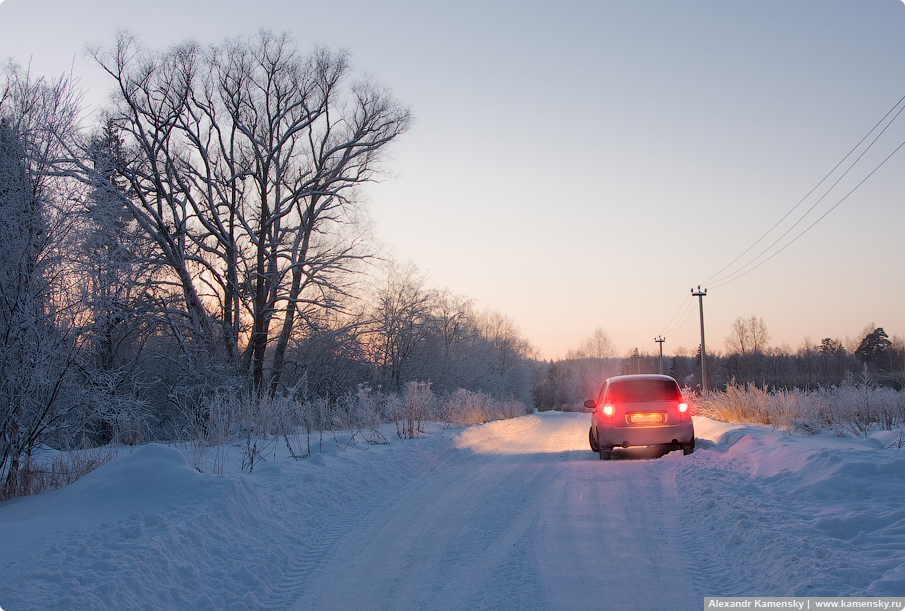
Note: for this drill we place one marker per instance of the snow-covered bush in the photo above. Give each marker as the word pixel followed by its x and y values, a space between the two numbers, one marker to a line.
pixel 859 408
pixel 412 409
pixel 750 403
pixel 464 408
pixel 370 411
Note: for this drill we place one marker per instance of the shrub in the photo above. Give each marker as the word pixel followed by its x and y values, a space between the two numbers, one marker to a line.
pixel 412 409
pixel 464 408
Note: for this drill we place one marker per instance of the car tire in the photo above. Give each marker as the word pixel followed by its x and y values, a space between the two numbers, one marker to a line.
pixel 688 448
pixel 592 441
pixel 605 454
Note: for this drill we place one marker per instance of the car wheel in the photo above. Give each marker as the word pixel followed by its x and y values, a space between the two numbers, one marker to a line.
pixel 688 448
pixel 605 454
pixel 591 439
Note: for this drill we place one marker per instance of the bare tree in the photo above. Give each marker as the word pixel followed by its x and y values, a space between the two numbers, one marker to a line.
pixel 242 164
pixel 39 314
pixel 593 363
pixel 739 341
pixel 760 336
pixel 597 346
pixel 747 343
pixel 748 336
pixel 155 189
pixel 399 323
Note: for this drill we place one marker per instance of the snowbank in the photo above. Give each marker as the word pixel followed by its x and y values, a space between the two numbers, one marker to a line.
pixel 148 531
pixel 788 515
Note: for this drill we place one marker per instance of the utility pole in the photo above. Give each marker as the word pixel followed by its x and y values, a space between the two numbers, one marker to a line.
pixel 660 341
pixel 700 295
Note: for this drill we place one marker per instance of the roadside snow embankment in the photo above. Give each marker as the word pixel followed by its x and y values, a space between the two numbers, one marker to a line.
pixel 148 531
pixel 795 515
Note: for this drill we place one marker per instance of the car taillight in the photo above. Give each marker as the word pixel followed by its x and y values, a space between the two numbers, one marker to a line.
pixel 608 410
pixel 683 407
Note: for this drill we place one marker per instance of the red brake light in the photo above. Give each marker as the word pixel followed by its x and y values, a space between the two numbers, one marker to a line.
pixel 608 410
pixel 683 407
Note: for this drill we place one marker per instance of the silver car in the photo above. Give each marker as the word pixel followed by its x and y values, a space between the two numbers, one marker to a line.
pixel 640 410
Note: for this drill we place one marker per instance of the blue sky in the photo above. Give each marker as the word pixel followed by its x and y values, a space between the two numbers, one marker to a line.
pixel 584 164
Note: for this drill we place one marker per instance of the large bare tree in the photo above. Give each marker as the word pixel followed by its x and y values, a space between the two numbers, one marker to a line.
pixel 242 163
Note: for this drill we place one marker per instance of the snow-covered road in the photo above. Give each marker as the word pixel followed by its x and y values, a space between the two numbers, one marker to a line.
pixel 515 514
pixel 522 516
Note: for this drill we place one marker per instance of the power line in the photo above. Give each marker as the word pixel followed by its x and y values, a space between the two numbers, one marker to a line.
pixel 686 311
pixel 736 274
pixel 687 308
pixel 815 222
pixel 668 330
pixel 680 313
pixel 691 311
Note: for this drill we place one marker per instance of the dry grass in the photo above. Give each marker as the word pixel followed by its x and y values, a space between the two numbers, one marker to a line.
pixel 464 408
pixel 38 475
pixel 848 409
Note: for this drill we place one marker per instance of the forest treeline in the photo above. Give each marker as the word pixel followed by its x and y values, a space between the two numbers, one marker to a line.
pixel 871 359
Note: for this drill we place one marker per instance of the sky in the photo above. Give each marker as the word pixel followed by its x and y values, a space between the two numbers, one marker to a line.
pixel 585 164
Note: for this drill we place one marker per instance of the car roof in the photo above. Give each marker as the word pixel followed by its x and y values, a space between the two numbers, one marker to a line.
pixel 642 376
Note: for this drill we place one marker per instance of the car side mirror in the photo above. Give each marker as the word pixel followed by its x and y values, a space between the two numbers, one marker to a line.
pixel 590 405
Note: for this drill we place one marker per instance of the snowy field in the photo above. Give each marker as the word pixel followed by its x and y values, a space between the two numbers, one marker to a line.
pixel 514 514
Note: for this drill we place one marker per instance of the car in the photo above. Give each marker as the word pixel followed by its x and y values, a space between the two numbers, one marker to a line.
pixel 640 410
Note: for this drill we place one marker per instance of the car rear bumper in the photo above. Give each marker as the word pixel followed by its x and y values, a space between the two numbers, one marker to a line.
pixel 681 433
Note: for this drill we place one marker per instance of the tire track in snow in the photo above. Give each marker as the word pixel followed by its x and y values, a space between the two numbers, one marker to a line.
pixel 522 516
pixel 622 525
pixel 703 480
pixel 427 549
pixel 371 484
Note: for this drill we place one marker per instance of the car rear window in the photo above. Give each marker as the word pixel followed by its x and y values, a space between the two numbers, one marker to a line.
pixel 638 391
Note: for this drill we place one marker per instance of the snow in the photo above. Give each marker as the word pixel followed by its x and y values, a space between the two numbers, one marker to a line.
pixel 513 514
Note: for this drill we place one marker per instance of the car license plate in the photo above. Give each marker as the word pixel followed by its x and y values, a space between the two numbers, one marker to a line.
pixel 645 418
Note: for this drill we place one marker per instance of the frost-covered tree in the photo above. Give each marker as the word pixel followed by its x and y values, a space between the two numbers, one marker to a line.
pixel 597 346
pixel 414 333
pixel 113 261
pixel 594 361
pixel 397 323
pixel 509 355
pixel 39 309
pixel 242 164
